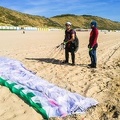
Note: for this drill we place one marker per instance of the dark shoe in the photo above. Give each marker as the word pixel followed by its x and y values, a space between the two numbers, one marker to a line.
pixel 65 61
pixel 73 64
pixel 93 66
pixel 89 65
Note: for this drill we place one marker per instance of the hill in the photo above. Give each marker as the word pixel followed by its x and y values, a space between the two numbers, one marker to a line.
pixel 83 21
pixel 15 18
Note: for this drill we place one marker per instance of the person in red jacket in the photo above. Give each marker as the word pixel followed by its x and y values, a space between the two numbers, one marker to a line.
pixel 93 44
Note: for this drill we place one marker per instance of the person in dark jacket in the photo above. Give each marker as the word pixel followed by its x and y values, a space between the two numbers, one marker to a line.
pixel 69 42
pixel 93 44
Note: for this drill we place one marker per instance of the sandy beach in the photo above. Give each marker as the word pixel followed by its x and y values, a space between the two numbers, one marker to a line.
pixel 37 51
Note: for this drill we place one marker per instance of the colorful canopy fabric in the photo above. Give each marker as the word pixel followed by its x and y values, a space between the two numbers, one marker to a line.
pixel 46 98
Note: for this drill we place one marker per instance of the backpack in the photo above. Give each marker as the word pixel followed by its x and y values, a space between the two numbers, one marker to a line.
pixel 76 43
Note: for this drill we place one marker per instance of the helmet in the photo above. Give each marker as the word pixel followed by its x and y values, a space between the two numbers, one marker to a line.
pixel 68 23
pixel 94 23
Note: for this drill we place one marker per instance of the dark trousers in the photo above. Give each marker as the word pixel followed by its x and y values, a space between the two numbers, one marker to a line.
pixel 93 57
pixel 72 55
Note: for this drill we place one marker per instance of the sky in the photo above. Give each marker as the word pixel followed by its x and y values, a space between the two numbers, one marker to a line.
pixel 109 9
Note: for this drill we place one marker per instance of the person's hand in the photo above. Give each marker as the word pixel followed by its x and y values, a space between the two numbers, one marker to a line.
pixel 69 41
pixel 90 49
pixel 88 46
pixel 64 43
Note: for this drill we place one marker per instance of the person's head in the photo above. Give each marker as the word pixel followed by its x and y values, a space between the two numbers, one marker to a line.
pixel 93 24
pixel 68 25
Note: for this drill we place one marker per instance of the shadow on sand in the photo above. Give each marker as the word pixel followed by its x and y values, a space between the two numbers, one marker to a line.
pixel 54 61
pixel 47 60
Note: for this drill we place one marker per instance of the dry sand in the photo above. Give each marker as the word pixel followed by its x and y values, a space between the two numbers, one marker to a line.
pixel 36 50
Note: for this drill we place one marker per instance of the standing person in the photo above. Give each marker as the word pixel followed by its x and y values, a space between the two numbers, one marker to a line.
pixel 93 44
pixel 69 42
